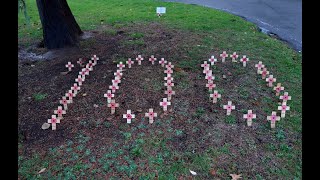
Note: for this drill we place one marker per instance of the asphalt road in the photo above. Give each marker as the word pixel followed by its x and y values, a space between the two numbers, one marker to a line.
pixel 280 17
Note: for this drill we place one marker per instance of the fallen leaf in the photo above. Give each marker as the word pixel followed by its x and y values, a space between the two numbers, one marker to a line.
pixel 147 79
pixel 64 73
pixel 45 126
pixel 84 94
pixel 192 172
pixel 235 176
pixel 32 65
pixel 109 118
pixel 178 69
pixel 42 170
pixel 224 76
pixel 213 172
pixel 139 110
pixel 95 106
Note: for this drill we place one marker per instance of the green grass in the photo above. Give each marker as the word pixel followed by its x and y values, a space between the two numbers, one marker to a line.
pixel 39 96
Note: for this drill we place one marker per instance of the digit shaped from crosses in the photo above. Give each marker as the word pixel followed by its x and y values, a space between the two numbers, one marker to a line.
pixel 129 62
pixel 139 59
pixel 53 121
pixel 249 116
pixel 273 118
pixel 234 57
pixel 283 108
pixel 215 95
pixel 212 60
pixel 271 80
pixel 223 56
pixel 69 66
pixel 229 107
pixel 152 59
pixel 151 115
pixel 128 116
pixel 285 97
pixel 244 60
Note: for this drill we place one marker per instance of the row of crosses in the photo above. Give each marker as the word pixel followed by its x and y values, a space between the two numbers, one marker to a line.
pixel 110 95
pixel 70 94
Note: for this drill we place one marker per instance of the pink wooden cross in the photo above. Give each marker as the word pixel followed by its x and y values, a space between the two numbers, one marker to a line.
pixel 83 72
pixel 168 78
pixel 129 116
pixel 69 66
pixel 207 72
pixel 249 117
pixel 118 74
pixel 273 118
pixel 210 85
pixel 212 60
pixel 169 84
pixel 114 87
pixel 53 121
pixel 244 60
pixel 80 79
pixel 234 56
pixel 205 65
pixel 95 59
pixel 116 80
pixel 209 77
pixel 121 66
pixel 113 106
pixel 162 62
pixel 285 97
pixel 229 107
pixel 80 61
pixel 278 89
pixel 270 80
pixel 283 108
pixel 129 62
pixel 88 67
pixel 168 71
pixel 109 96
pixel 70 95
pixel 152 59
pixel 223 56
pixel 165 104
pixel 259 66
pixel 65 102
pixel 151 115
pixel 59 112
pixel 215 96
pixel 90 64
pixel 169 92
pixel 75 88
pixel 169 65
pixel 139 59
pixel 264 73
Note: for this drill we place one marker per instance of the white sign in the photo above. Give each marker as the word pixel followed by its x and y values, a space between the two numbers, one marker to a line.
pixel 161 10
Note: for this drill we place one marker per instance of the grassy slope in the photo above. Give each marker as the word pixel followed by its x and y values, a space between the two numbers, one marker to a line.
pixel 224 31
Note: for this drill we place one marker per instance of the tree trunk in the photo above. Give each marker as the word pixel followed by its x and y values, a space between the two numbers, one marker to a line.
pixel 60 29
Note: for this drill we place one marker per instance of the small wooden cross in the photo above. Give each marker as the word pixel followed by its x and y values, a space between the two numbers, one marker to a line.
pixel 95 59
pixel 212 60
pixel 273 118
pixel 116 80
pixel 59 112
pixel 151 115
pixel 234 57
pixel 285 97
pixel 80 62
pixel 209 77
pixel 83 72
pixel 223 56
pixel 129 62
pixel 113 106
pixel 75 88
pixel 162 62
pixel 207 72
pixel 139 59
pixel 109 96
pixel 90 64
pixel 80 79
pixel 53 121
pixel 249 116
pixel 165 104
pixel 168 71
pixel 118 74
pixel 210 85
pixel 129 116
pixel 169 84
pixel 70 95
pixel 271 80
pixel 259 66
pixel 88 67
pixel 264 73
pixel 169 92
pixel 205 65
pixel 169 65
pixel 215 96
pixel 168 78
pixel 69 66
pixel 152 59
pixel 278 89
pixel 229 107
pixel 121 66
pixel 283 108
pixel 65 102
pixel 114 87
pixel 244 60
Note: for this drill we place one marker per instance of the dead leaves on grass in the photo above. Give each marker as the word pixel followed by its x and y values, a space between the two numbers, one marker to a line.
pixel 235 176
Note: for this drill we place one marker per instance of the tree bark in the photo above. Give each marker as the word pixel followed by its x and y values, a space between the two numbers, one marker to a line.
pixel 60 28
